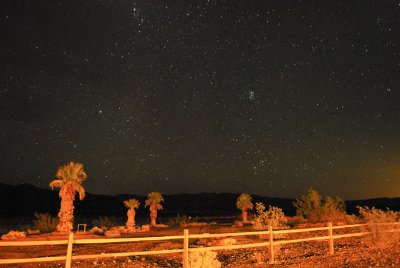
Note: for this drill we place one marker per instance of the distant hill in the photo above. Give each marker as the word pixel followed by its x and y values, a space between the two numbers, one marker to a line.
pixel 380 203
pixel 26 199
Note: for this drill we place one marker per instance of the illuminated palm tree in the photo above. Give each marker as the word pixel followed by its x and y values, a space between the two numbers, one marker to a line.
pixel 244 203
pixel 131 205
pixel 153 202
pixel 69 178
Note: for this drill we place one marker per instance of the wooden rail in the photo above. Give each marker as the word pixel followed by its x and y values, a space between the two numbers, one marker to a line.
pixel 270 243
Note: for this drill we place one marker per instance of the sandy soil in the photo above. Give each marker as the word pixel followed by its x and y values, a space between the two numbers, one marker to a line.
pixel 349 252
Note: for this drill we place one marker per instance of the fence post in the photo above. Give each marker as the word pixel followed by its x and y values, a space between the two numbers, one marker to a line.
pixel 330 233
pixel 69 250
pixel 271 245
pixel 185 248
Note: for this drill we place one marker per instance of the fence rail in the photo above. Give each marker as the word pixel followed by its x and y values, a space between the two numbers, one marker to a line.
pixel 270 243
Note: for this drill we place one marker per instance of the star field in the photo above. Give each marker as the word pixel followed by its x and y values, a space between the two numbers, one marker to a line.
pixel 265 97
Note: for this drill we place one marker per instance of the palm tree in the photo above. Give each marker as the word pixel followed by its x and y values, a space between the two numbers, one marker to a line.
pixel 244 203
pixel 69 178
pixel 153 202
pixel 131 205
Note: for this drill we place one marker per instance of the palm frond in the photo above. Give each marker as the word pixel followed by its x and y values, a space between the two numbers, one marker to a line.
pixel 154 198
pixel 81 190
pixel 244 202
pixel 132 203
pixel 56 183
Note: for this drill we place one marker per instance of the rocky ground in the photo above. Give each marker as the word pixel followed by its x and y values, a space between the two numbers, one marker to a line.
pixel 349 252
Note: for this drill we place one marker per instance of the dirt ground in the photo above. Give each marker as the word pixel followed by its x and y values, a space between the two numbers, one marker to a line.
pixel 349 252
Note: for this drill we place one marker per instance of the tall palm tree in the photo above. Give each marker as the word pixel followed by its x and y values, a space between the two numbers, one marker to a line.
pixel 244 203
pixel 153 202
pixel 131 205
pixel 69 178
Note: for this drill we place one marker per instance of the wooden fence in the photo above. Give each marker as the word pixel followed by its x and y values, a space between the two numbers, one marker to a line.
pixel 69 257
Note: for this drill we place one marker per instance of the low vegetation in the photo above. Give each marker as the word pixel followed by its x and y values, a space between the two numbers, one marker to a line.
pixel 274 217
pixel 13 235
pixel 204 259
pixel 179 220
pixel 381 224
pixel 315 208
pixel 310 208
pixel 104 222
pixel 45 223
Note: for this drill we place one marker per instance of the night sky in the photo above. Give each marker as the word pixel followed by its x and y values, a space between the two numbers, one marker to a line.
pixel 265 97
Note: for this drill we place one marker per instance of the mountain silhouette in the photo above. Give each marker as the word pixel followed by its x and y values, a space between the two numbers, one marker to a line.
pixel 26 199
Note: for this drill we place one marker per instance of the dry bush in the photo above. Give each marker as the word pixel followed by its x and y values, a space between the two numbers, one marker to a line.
pixel 113 232
pixel 274 217
pixel 96 230
pixel 295 221
pixel 204 259
pixel 45 223
pixel 145 228
pixel 32 232
pixel 123 229
pixel 178 220
pixel 104 222
pixel 382 226
pixel 316 209
pixel 12 235
pixel 349 219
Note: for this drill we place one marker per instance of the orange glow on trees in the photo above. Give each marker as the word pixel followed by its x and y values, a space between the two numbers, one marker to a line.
pixel 316 209
pixel 69 178
pixel 153 202
pixel 131 205
pixel 244 203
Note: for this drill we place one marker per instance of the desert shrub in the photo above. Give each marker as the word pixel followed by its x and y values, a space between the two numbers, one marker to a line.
pixel 12 235
pixel 380 225
pixel 204 259
pixel 104 222
pixel 113 232
pixel 316 209
pixel 351 219
pixel 295 220
pixel 32 232
pixel 96 230
pixel 145 228
pixel 373 215
pixel 274 217
pixel 178 220
pixel 45 223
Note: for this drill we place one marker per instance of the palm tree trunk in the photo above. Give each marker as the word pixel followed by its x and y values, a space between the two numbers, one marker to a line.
pixel 153 216
pixel 66 214
pixel 131 218
pixel 244 215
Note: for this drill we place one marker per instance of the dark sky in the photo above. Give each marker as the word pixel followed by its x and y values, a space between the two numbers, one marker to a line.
pixel 265 97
